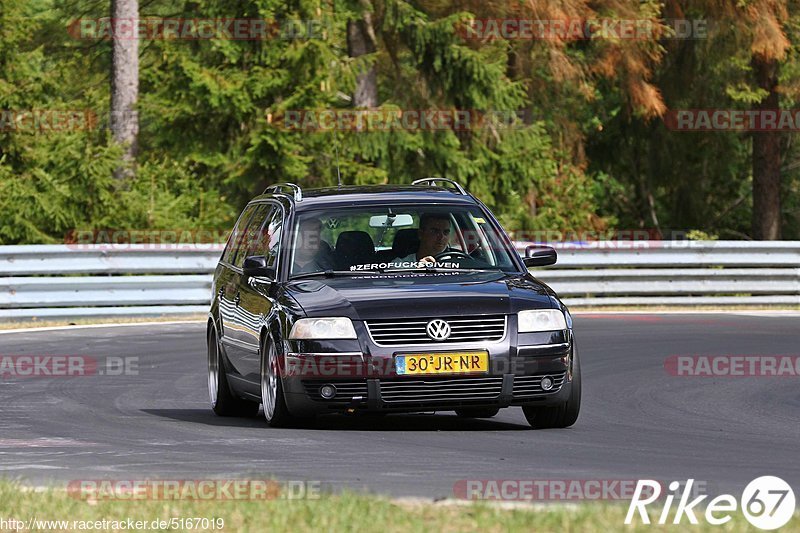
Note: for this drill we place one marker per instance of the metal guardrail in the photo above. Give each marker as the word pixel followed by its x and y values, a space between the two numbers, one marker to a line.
pixel 64 281
pixel 73 281
pixel 675 273
pixel 60 259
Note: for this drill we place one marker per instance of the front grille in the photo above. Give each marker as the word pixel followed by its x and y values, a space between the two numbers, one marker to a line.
pixel 440 390
pixel 531 386
pixel 404 332
pixel 345 390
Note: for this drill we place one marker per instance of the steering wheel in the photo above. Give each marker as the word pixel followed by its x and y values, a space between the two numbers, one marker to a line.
pixel 452 254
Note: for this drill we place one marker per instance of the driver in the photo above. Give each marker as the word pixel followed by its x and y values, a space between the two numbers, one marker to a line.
pixel 434 236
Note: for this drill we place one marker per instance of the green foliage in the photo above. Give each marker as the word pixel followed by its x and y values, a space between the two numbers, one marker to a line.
pixel 578 155
pixel 55 184
pixel 746 94
pixel 697 180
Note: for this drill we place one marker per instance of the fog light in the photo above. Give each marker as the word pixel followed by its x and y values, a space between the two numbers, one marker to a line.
pixel 327 391
pixel 547 383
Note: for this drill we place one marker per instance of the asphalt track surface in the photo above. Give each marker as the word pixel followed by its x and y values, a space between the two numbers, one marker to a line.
pixel 637 420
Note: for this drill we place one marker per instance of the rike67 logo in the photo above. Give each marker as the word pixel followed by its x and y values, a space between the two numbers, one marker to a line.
pixel 767 502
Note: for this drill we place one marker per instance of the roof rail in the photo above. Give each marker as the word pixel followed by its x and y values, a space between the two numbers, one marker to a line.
pixel 432 182
pixel 297 192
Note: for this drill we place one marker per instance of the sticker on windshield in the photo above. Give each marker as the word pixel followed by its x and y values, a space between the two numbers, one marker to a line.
pixel 396 275
pixel 404 264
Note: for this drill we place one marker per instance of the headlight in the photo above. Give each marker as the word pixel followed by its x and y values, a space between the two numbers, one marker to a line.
pixel 541 320
pixel 323 328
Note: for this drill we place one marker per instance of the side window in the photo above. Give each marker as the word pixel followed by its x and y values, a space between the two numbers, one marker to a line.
pixel 235 239
pixel 267 237
pixel 274 230
pixel 251 236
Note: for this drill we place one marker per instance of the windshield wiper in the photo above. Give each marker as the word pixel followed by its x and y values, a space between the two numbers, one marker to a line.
pixel 334 273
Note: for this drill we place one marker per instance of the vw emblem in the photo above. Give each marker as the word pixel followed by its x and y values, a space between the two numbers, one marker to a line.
pixel 438 330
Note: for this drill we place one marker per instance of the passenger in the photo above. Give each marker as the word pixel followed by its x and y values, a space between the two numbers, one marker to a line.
pixel 312 253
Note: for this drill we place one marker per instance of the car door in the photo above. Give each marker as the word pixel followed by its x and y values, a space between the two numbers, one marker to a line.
pixel 237 341
pixel 257 301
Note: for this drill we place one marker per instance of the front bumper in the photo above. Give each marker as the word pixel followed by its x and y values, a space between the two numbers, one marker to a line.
pixel 363 373
pixel 367 382
pixel 429 394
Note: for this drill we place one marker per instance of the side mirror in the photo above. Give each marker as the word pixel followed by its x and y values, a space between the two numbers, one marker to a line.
pixel 256 266
pixel 537 256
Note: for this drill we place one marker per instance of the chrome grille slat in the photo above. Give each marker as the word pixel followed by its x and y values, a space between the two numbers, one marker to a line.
pixel 450 382
pixel 430 397
pixel 529 386
pixel 475 336
pixel 424 390
pixel 394 322
pixel 344 390
pixel 453 326
pixel 497 324
pixel 466 338
pixel 473 326
pixel 537 386
pixel 395 332
pixel 538 381
pixel 457 389
pixel 465 388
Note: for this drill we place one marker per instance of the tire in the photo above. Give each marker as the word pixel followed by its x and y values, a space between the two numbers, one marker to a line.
pixel 223 401
pixel 276 412
pixel 477 412
pixel 563 415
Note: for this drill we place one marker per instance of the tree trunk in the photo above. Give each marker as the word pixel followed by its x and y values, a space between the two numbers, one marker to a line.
pixel 767 158
pixel 124 120
pixel 361 41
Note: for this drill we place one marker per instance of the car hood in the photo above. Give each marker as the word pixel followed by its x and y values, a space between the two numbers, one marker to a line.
pixel 373 296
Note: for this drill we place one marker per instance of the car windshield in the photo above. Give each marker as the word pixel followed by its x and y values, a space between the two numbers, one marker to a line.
pixel 397 238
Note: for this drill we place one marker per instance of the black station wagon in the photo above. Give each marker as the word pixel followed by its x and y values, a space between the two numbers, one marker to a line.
pixel 385 299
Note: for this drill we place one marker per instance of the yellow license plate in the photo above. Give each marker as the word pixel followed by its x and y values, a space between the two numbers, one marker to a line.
pixel 442 363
